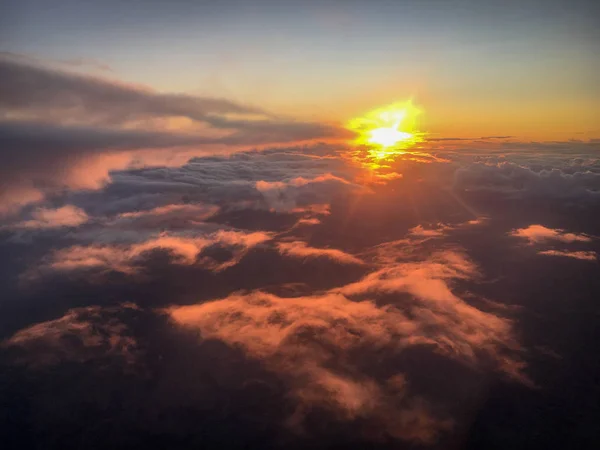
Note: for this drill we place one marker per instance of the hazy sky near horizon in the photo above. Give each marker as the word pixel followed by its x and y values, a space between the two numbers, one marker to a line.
pixel 528 69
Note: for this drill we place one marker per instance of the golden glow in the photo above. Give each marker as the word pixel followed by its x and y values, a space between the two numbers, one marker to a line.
pixel 387 131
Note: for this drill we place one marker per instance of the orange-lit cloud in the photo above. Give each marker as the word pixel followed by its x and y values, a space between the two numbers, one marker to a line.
pixel 586 256
pixel 173 216
pixel 303 340
pixel 65 216
pixel 125 257
pixel 308 221
pixel 81 335
pixel 299 249
pixel 536 234
pixel 317 343
pixel 63 130
pixel 420 231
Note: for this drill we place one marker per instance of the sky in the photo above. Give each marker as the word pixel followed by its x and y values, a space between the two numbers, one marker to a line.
pixel 287 225
pixel 527 69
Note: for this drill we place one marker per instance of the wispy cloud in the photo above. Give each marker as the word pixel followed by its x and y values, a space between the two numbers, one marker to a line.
pixel 536 234
pixel 299 249
pixel 586 256
pixel 318 343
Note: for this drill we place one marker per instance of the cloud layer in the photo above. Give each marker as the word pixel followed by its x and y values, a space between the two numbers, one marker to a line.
pixel 55 124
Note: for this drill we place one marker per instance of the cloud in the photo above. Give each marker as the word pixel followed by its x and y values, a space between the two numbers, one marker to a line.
pixel 81 335
pixel 536 234
pixel 300 181
pixel 586 256
pixel 240 238
pixel 39 158
pixel 420 231
pixel 129 258
pixel 172 216
pixel 43 218
pixel 287 195
pixel 54 125
pixel 38 61
pixel 321 344
pixel 33 89
pixel 516 179
pixel 123 258
pixel 299 249
pixel 429 282
pixel 303 339
pixel 308 221
pixel 36 93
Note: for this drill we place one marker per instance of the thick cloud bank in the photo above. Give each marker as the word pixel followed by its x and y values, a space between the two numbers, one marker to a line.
pixel 157 296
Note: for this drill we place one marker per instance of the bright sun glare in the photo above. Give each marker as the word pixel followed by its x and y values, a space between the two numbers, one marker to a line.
pixel 388 130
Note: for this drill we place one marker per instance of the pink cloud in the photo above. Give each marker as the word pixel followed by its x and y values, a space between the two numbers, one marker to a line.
pixel 433 303
pixel 420 231
pixel 166 217
pixel 65 216
pixel 317 209
pixel 125 258
pixel 302 340
pixel 538 233
pixel 301 181
pixel 587 256
pixel 13 198
pixel 241 238
pixel 314 342
pixel 199 212
pixel 299 249
pixel 308 221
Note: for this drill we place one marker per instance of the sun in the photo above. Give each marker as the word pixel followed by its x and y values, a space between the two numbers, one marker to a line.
pixel 387 130
pixel 387 137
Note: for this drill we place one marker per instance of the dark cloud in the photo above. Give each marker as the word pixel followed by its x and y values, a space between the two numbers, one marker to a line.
pixel 287 180
pixel 39 93
pixel 318 351
pixel 34 89
pixel 54 123
pixel 512 178
pixel 39 157
pixel 71 62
